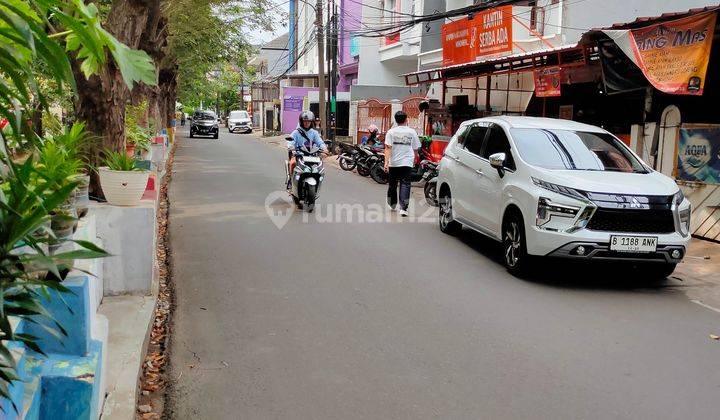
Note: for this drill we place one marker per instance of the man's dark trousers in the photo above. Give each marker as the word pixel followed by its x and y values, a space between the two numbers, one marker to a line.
pixel 401 175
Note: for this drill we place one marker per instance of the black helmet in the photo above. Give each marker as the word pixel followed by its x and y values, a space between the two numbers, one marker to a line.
pixel 306 116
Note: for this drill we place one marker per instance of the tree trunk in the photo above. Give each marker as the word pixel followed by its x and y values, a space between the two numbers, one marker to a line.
pixel 102 98
pixel 168 94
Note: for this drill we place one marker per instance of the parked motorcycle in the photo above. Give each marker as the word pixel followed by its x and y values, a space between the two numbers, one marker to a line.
pixel 307 176
pixel 377 172
pixel 348 156
pixel 418 173
pixel 367 158
pixel 430 176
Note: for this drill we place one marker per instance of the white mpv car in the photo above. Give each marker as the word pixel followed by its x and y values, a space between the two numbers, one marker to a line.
pixel 558 188
pixel 239 120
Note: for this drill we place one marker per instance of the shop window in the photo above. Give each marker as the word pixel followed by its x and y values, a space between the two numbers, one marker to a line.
pixel 474 139
pixel 498 142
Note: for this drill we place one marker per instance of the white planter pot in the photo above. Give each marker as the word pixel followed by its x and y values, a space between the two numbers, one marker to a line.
pixel 123 188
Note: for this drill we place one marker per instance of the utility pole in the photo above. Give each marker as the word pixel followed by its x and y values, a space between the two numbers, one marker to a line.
pixel 321 65
pixel 242 91
pixel 332 120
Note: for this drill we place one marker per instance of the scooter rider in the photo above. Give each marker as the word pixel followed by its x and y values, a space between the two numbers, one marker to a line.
pixel 304 135
pixel 373 140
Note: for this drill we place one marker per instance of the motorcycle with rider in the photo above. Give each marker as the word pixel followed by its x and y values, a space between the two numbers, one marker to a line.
pixel 304 168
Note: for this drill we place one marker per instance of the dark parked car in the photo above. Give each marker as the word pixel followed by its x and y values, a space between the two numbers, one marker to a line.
pixel 204 123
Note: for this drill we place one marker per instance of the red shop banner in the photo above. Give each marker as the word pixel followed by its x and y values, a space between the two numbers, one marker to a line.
pixel 456 43
pixel 547 81
pixel 488 33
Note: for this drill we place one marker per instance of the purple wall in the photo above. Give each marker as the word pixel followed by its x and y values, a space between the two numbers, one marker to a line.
pixel 291 96
pixel 350 17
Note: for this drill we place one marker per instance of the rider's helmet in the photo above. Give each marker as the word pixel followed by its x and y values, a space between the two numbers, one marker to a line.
pixel 372 128
pixel 306 116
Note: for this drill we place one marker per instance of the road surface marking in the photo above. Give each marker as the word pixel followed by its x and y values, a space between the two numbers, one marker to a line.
pixel 705 305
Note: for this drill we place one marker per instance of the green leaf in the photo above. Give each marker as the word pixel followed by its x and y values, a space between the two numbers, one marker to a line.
pixel 135 65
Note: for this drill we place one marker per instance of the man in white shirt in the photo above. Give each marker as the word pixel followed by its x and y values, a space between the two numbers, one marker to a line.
pixel 401 145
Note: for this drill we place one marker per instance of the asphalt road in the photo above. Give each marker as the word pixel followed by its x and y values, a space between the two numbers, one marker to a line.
pixel 391 319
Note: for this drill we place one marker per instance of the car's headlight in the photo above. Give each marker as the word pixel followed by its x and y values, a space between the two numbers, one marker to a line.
pixel 546 209
pixel 563 216
pixel 570 192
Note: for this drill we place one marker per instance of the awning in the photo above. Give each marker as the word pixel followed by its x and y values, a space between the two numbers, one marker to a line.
pixel 566 56
pixel 650 20
pixel 662 47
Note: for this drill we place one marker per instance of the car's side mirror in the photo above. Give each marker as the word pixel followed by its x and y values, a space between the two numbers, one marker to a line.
pixel 497 161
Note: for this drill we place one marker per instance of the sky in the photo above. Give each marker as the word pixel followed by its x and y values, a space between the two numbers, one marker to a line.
pixel 265 36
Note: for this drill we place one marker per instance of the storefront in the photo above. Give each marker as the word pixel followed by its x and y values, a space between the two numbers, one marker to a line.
pixel 672 62
pixel 654 83
pixel 506 86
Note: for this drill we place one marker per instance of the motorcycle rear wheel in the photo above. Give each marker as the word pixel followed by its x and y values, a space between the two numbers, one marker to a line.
pixel 363 170
pixel 430 190
pixel 346 162
pixel 378 174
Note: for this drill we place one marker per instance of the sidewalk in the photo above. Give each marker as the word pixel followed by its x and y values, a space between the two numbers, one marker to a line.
pixel 700 273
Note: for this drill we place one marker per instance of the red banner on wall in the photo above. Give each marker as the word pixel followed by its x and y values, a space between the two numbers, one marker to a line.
pixel 456 43
pixel 547 82
pixel 493 31
pixel 488 33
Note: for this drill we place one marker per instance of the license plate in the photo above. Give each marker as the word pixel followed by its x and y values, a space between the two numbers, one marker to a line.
pixel 633 243
pixel 311 159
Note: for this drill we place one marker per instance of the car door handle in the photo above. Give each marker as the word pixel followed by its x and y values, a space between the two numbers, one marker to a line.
pixel 479 172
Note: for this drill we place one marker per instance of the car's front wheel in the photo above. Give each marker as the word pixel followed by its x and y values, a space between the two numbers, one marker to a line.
pixel 445 215
pixel 515 254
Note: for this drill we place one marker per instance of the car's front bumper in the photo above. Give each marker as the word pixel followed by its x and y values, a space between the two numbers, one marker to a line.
pixel 597 245
pixel 240 126
pixel 204 130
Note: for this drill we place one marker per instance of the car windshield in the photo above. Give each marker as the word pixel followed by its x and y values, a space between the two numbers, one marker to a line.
pixel 236 115
pixel 574 150
pixel 204 116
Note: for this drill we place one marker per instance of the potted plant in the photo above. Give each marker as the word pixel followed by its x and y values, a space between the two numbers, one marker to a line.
pixel 139 140
pixel 82 194
pixel 57 168
pixel 72 146
pixel 121 181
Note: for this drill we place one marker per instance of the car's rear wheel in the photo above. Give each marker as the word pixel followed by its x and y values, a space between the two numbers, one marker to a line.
pixel 446 220
pixel 515 254
pixel 192 134
pixel 216 136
